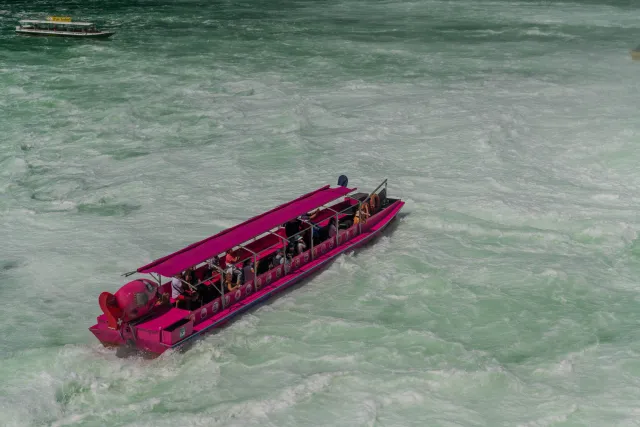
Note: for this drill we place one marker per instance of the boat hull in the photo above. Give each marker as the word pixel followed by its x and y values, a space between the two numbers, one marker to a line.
pixel 100 35
pixel 154 346
pixel 635 54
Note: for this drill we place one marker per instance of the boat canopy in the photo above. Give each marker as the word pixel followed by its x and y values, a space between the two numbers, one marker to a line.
pixel 203 250
pixel 60 23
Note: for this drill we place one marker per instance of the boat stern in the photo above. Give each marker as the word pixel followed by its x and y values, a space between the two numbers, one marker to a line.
pixel 107 336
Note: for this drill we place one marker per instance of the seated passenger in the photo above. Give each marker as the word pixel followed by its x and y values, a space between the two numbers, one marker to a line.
pixel 287 261
pixel 279 258
pixel 213 262
pixel 231 258
pixel 361 215
pixel 190 277
pixel 181 293
pixel 210 268
pixel 333 229
pixel 230 284
pixel 291 250
pixel 230 273
pixel 176 286
pixel 316 234
pixel 163 299
pixel 300 245
pixel 247 271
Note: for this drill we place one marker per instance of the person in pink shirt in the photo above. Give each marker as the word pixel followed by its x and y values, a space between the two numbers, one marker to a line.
pixel 231 258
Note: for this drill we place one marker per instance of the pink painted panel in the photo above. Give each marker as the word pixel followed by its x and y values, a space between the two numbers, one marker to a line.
pixel 170 317
pixel 248 288
pixel 148 335
pixel 278 272
pixel 352 231
pixel 177 331
pixel 306 256
pixel 297 262
pixel 232 297
pixel 373 220
pixel 331 243
pixel 260 281
pixel 206 311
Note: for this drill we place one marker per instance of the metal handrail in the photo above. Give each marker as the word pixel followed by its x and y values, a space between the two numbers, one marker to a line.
pixel 374 191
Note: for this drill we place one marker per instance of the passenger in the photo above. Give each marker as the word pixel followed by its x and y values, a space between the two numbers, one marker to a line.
pixel 279 258
pixel 247 271
pixel 213 262
pixel 181 293
pixel 211 267
pixel 190 277
pixel 233 272
pixel 300 245
pixel 315 234
pixel 290 251
pixel 231 258
pixel 176 286
pixel 163 299
pixel 333 229
pixel 231 285
pixel 287 262
pixel 356 218
pixel 361 215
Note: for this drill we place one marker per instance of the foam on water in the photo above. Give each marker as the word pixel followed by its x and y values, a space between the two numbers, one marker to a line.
pixel 506 294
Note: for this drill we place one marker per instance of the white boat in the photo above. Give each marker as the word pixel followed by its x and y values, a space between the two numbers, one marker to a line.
pixel 61 26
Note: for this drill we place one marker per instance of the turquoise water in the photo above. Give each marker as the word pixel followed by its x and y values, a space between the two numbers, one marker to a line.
pixel 507 295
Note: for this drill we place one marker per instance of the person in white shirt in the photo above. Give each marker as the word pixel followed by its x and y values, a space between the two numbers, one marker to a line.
pixel 300 245
pixel 176 287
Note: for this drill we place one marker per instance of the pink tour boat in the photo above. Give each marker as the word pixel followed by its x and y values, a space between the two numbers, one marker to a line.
pixel 213 280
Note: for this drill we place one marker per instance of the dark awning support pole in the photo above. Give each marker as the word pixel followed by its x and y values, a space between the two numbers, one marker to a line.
pixel 311 227
pixel 221 288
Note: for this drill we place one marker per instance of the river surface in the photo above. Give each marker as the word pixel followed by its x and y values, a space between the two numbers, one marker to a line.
pixel 507 294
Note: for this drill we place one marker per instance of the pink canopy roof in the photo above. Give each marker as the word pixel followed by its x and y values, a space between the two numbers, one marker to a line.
pixel 231 237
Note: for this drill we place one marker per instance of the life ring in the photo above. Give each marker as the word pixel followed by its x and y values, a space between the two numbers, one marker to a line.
pixel 374 203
